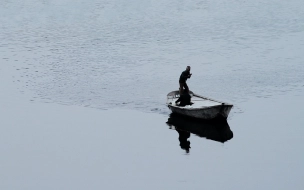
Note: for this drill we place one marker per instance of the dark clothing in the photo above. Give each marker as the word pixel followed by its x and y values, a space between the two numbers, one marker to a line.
pixel 184 76
pixel 183 85
pixel 184 99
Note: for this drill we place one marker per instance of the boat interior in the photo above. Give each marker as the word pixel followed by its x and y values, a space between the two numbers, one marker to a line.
pixel 198 102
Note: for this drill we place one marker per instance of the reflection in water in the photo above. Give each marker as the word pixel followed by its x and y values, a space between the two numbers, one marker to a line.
pixel 183 139
pixel 217 130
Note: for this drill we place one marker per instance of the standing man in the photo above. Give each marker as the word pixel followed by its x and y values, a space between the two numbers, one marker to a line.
pixel 183 78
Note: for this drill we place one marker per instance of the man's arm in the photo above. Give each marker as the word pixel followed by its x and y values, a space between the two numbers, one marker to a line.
pixel 186 75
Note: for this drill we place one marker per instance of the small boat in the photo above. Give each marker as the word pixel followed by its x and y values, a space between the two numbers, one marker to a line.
pixel 202 107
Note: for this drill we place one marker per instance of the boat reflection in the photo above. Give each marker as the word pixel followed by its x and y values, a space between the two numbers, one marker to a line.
pixel 217 130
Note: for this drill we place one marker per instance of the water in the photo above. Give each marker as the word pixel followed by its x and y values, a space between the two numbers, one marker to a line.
pixel 96 56
pixel 46 146
pixel 106 54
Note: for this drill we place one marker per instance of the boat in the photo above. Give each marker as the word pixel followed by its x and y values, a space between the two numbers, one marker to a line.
pixel 202 107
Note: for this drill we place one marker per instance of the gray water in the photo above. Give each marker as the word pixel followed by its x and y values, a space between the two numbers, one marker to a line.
pixel 111 64
pixel 129 54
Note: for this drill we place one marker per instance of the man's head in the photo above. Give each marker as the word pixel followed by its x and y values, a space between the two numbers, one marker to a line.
pixel 188 68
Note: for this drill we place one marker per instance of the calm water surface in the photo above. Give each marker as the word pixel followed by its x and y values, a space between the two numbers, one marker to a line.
pixel 82 148
pixel 128 55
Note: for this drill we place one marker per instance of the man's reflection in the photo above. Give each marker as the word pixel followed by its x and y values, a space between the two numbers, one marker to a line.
pixel 183 140
pixel 217 130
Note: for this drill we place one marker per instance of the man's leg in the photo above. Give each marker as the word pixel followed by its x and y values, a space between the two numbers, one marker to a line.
pixel 186 87
pixel 181 86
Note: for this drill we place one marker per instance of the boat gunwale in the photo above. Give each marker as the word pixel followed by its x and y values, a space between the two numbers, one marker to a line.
pixel 202 108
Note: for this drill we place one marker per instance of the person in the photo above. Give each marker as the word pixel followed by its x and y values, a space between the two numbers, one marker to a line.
pixel 183 78
pixel 184 99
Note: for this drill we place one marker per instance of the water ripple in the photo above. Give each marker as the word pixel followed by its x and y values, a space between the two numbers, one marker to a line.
pixel 106 54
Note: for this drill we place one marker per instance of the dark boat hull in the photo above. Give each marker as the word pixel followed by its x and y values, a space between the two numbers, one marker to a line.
pixel 203 113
